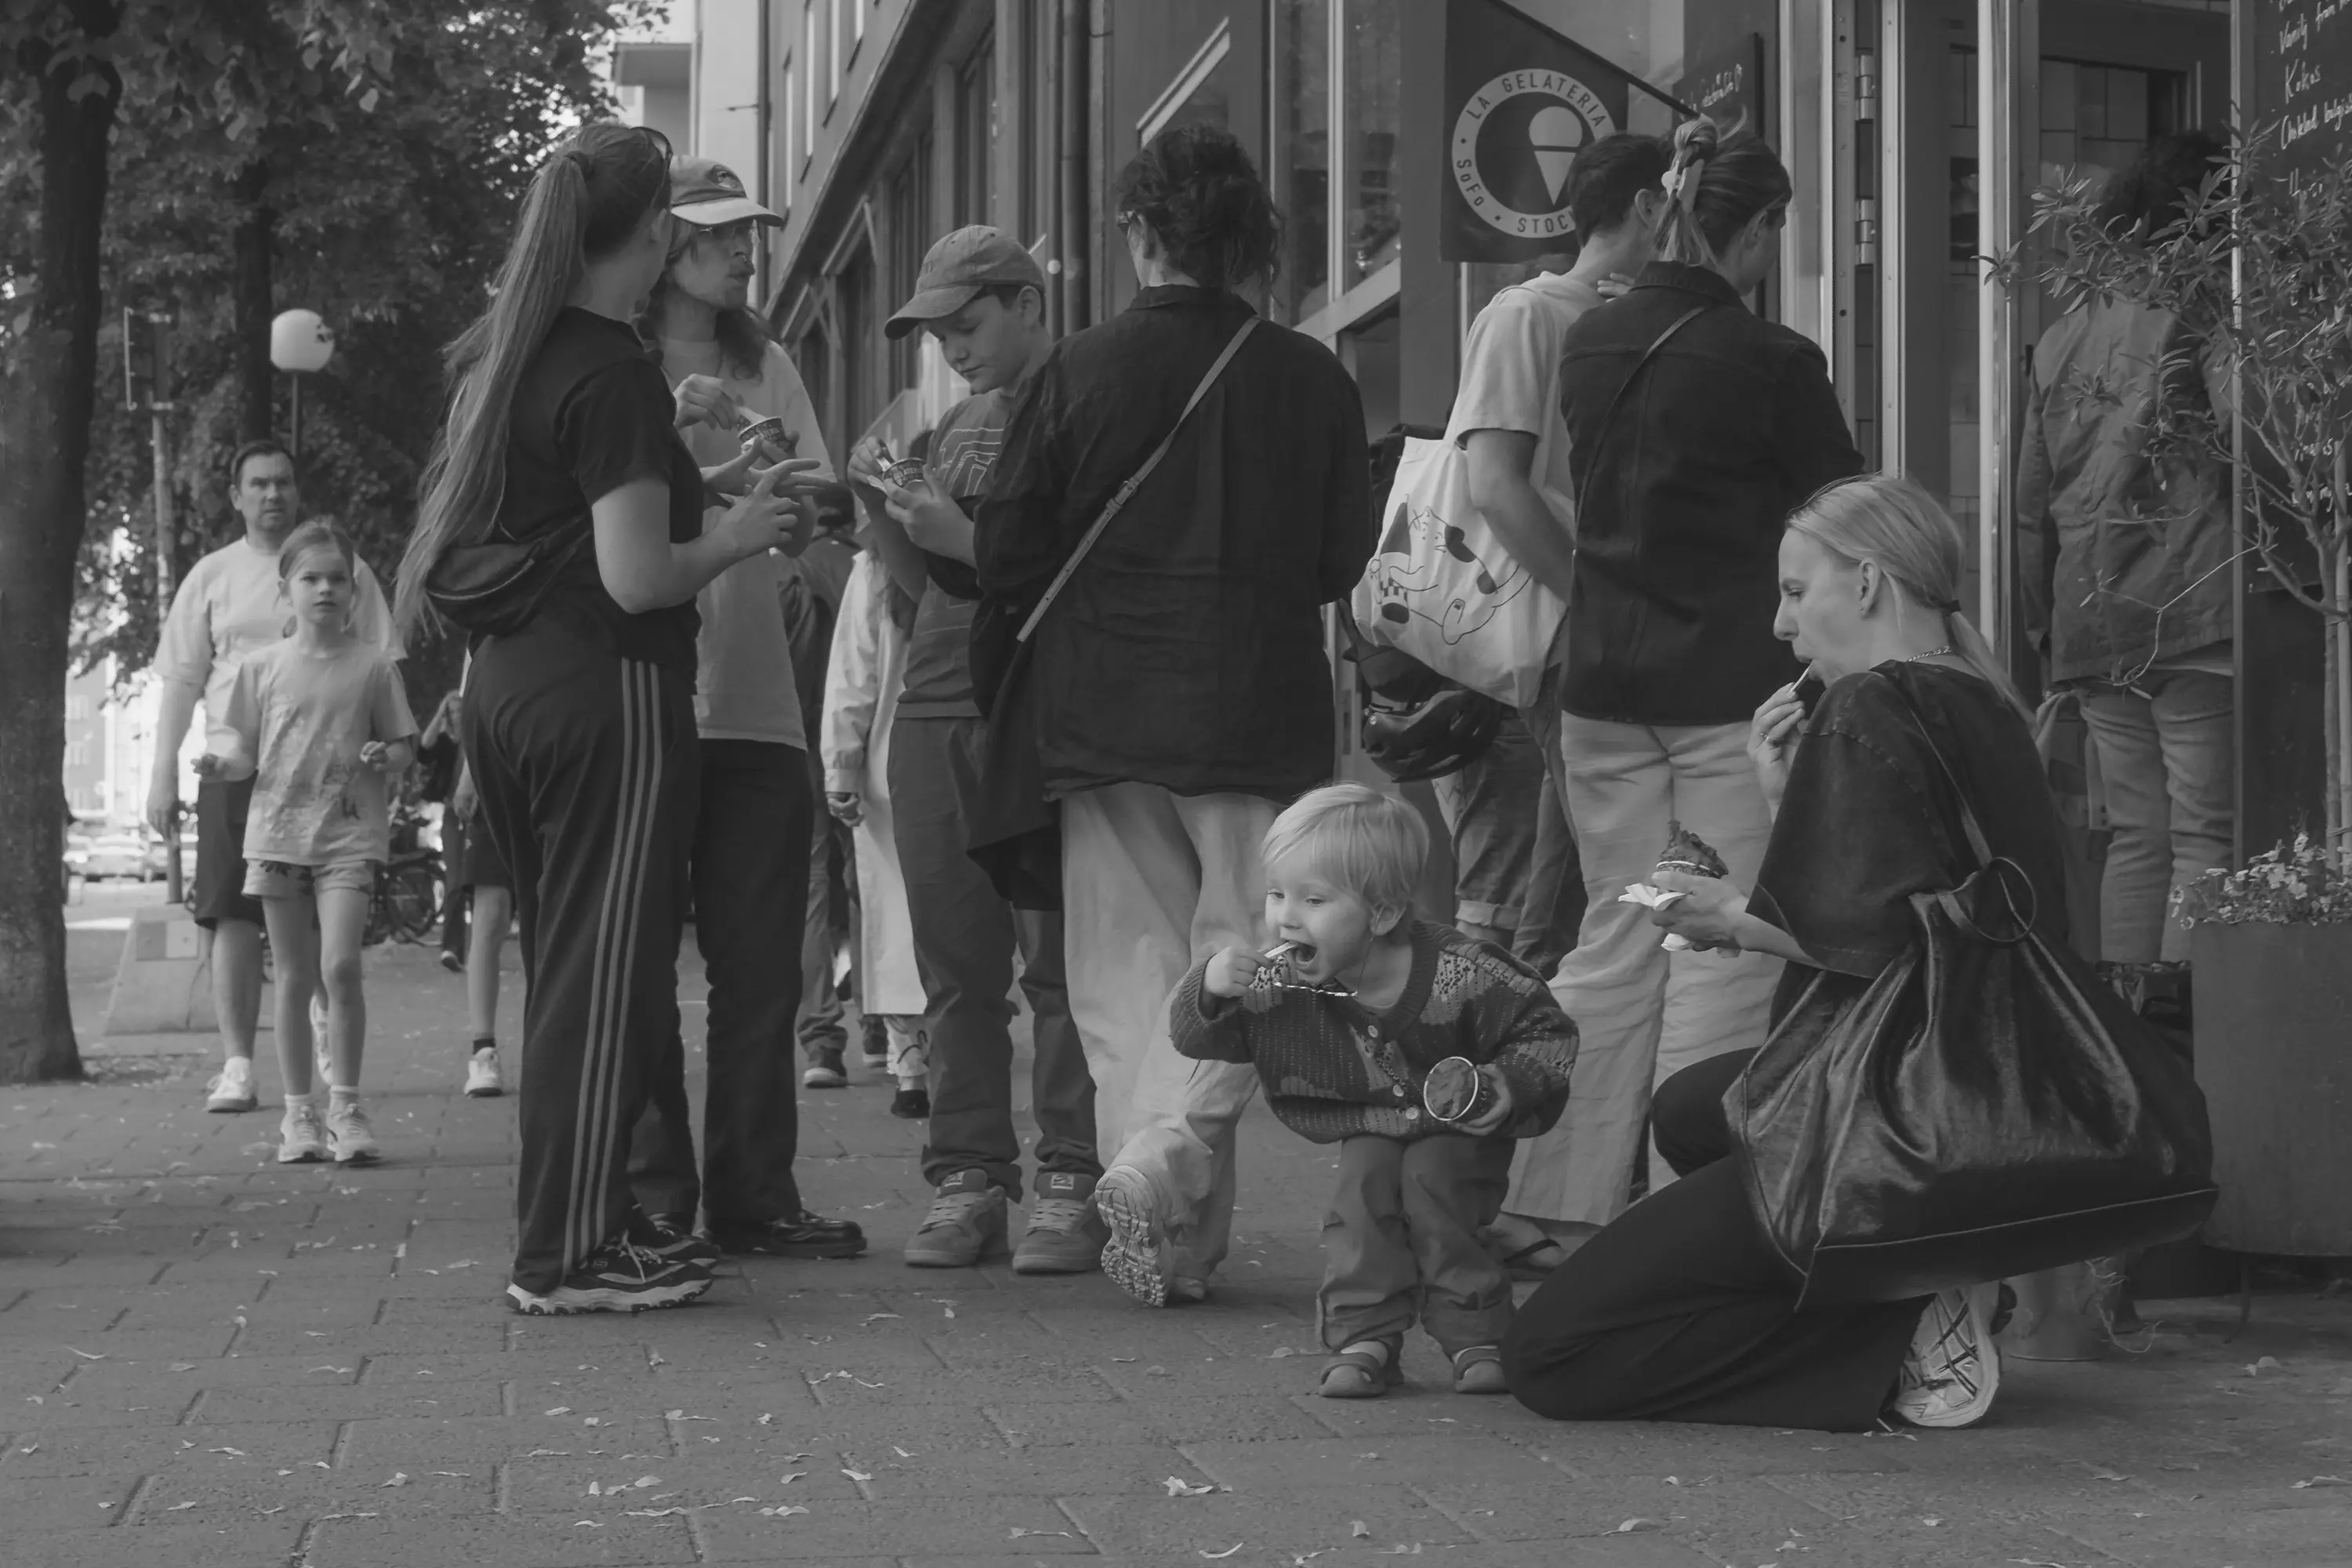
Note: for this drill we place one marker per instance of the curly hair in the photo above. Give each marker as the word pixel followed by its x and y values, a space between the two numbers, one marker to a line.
pixel 2153 192
pixel 1196 188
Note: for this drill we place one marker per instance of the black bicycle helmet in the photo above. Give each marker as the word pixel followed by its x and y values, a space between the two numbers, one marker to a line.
pixel 1429 738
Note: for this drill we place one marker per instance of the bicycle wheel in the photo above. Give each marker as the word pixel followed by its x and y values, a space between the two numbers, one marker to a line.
pixel 414 893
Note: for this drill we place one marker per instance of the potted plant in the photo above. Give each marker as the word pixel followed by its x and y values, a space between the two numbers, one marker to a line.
pixel 2259 268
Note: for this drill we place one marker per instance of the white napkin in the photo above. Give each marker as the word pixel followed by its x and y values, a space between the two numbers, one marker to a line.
pixel 1657 899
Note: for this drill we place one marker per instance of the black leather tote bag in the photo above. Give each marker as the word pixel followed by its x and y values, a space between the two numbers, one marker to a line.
pixel 1986 1107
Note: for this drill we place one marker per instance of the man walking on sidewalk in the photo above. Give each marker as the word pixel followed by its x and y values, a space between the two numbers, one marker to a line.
pixel 230 606
pixel 983 298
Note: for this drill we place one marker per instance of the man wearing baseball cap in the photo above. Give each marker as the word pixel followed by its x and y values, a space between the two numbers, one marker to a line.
pixel 983 298
pixel 749 856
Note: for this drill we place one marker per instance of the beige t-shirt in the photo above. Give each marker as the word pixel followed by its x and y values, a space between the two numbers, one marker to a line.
pixel 227 608
pixel 743 688
pixel 1510 375
pixel 296 721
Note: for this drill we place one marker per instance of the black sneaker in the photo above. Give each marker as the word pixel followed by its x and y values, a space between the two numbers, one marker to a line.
pixel 914 1104
pixel 677 1241
pixel 618 1277
pixel 824 1069
pixel 874 1042
pixel 802 1234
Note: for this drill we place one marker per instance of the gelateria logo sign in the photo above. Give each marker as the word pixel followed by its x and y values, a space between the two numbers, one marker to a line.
pixel 1514 143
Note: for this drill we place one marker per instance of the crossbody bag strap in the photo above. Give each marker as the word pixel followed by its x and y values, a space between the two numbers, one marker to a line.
pixel 1135 482
pixel 1610 413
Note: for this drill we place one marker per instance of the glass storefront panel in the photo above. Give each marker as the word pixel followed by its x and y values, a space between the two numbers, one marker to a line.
pixel 1301 160
pixel 1375 74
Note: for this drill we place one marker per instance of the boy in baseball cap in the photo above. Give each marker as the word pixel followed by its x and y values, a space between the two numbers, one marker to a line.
pixel 982 297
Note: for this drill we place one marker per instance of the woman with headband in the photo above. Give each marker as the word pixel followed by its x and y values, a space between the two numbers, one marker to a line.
pixel 1695 428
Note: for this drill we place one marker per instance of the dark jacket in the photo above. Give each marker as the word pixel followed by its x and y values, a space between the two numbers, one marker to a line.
pixel 2122 561
pixel 1187 651
pixel 1687 487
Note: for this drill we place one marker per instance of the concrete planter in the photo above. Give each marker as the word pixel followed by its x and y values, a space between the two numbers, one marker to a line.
pixel 2273 1021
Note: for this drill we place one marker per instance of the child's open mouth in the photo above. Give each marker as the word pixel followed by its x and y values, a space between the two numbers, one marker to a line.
pixel 1299 953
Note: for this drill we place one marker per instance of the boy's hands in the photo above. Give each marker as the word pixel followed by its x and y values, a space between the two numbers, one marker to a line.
pixel 1232 975
pixel 1495 1115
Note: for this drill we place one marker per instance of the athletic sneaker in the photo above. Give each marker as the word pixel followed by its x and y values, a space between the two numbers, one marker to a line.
pixel 874 1042
pixel 678 1242
pixel 912 1104
pixel 347 1125
pixel 1953 1370
pixel 824 1069
pixel 301 1135
pixel 1064 1235
pixel 483 1080
pixel 452 963
pixel 618 1277
pixel 1137 1257
pixel 966 1224
pixel 232 1088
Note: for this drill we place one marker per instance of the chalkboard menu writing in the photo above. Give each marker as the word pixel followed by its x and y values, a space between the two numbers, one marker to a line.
pixel 2302 76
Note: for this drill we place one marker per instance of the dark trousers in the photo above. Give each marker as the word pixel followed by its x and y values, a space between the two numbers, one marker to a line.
pixel 1554 908
pixel 1401 1242
pixel 585 763
pixel 1681 1310
pixel 749 875
pixel 455 901
pixel 965 937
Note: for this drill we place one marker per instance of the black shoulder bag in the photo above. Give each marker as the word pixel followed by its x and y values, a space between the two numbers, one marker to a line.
pixel 1987 1108
pixel 1015 832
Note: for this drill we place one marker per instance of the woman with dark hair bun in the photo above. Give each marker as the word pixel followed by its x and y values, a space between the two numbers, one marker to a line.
pixel 1182 691
pixel 2122 562
pixel 1693 429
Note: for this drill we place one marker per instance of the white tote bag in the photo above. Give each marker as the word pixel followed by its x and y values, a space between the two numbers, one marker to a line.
pixel 1442 588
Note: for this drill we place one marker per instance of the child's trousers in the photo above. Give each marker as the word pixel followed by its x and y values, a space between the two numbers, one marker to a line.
pixel 1401 1242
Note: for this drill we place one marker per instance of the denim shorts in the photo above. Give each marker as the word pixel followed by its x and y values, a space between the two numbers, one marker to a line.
pixel 277 879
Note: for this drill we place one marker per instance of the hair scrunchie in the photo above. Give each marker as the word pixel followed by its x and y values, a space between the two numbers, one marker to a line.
pixel 581 161
pixel 1681 181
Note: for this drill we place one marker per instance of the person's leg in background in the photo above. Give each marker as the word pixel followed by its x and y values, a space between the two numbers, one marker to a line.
pixel 1152 882
pixel 824 1034
pixel 217 901
pixel 1063 1235
pixel 910 1065
pixel 493 910
pixel 1554 905
pixel 1575 1178
pixel 586 765
pixel 1490 809
pixel 1714 1001
pixel 2139 818
pixel 454 907
pixel 2194 712
pixel 964 937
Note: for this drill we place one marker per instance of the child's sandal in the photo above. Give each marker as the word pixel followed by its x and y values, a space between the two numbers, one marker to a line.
pixel 1479 1370
pixel 1361 1374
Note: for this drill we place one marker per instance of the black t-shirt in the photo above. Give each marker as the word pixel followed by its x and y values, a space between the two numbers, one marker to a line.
pixel 591 413
pixel 1868 818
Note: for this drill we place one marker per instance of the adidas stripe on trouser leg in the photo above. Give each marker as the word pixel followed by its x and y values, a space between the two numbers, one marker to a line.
pixel 586 764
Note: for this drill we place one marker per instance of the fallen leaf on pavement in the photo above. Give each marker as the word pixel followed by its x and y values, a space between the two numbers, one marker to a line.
pixel 1360 1531
pixel 2253 1369
pixel 560 1410
pixel 1931 1522
pixel 2107 1475
pixel 682 1416
pixel 1018 1532
pixel 1215 1556
pixel 767 1420
pixel 178 1506
pixel 782 1511
pixel 2322 1482
pixel 1631 1525
pixel 856 1475
pixel 89 1355
pixel 1178 1487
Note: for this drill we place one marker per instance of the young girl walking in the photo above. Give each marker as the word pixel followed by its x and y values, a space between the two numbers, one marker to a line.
pixel 321 725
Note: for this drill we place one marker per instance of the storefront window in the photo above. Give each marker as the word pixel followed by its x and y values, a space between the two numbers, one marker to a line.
pixel 1302 153
pixel 1375 70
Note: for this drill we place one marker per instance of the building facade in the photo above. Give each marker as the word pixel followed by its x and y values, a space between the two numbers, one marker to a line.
pixel 1915 130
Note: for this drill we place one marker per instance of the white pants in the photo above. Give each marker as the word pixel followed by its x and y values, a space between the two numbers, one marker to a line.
pixel 1152 882
pixel 1643 1014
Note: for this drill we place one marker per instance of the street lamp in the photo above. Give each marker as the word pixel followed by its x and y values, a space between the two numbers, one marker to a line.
pixel 298 342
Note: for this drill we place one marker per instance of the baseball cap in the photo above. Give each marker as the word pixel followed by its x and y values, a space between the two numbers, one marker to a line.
pixel 957 268
pixel 707 193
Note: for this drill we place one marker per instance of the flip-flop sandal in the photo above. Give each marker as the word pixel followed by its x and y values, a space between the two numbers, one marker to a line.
pixel 1524 1264
pixel 1479 1370
pixel 1360 1374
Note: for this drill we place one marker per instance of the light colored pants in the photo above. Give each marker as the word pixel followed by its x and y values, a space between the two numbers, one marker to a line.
pixel 1152 882
pixel 2165 756
pixel 1642 1013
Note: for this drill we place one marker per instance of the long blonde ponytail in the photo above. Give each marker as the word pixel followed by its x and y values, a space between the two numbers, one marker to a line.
pixel 1887 520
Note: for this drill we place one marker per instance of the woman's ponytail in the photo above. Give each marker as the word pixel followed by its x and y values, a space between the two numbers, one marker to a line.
pixel 588 196
pixel 1719 181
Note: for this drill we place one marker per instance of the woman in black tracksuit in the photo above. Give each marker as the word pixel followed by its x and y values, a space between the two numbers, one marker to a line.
pixel 561 528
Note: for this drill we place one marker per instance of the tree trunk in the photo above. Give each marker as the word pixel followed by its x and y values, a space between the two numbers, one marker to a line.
pixel 48 388
pixel 254 254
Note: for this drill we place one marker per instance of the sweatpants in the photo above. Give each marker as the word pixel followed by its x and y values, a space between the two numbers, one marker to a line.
pixel 965 937
pixel 586 765
pixel 749 869
pixel 1643 1014
pixel 1401 1242
pixel 1682 1309
pixel 821 1025
pixel 1152 882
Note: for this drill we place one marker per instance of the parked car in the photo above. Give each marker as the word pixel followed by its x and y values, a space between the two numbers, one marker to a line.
pixel 77 854
pixel 116 855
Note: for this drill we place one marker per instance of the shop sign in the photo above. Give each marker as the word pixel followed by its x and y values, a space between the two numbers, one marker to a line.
pixel 2302 76
pixel 1521 102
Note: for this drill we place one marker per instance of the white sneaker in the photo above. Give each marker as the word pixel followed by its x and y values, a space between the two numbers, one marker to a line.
pixel 232 1088
pixel 1953 1370
pixel 347 1124
pixel 302 1136
pixel 483 1079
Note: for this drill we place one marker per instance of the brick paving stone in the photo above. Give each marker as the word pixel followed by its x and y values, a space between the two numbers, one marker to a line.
pixel 181 1320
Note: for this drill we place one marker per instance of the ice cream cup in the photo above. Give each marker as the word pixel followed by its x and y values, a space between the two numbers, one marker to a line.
pixel 1456 1092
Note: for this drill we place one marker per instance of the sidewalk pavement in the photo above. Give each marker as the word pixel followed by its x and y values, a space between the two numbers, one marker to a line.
pixel 207 1359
